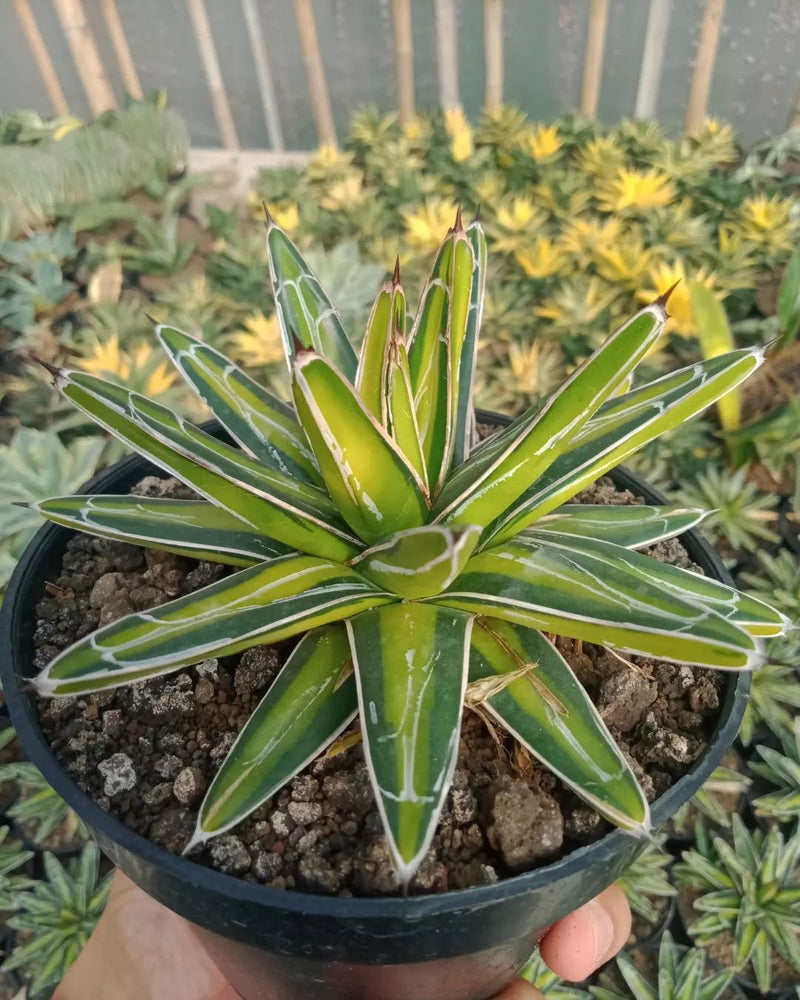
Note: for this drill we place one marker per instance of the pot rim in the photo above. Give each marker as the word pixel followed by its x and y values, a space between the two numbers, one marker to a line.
pixel 25 719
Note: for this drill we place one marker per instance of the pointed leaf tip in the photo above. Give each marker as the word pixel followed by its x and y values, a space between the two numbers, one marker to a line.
pixel 478 213
pixel 458 226
pixel 269 222
pixel 54 370
pixel 396 272
pixel 663 299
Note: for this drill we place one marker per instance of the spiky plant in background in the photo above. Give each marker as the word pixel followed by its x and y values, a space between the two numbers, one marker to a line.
pixel 545 980
pixel 55 918
pixel 781 771
pixel 740 514
pixel 367 514
pixel 13 856
pixel 749 890
pixel 678 975
pixel 39 811
pixel 774 696
pixel 709 803
pixel 647 879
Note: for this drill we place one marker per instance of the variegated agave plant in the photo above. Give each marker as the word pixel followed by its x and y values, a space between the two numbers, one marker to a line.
pixel 423 570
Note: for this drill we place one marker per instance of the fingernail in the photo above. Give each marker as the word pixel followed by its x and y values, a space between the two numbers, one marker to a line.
pixel 603 931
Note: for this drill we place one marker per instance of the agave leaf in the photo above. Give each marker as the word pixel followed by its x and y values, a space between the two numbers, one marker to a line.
pixel 388 315
pixel 637 983
pixel 401 413
pixel 262 424
pixel 420 562
pixel 265 603
pixel 298 514
pixel 437 343
pixel 410 697
pixel 548 711
pixel 624 425
pixel 749 613
pixel 310 702
pixel 538 584
pixel 789 300
pixel 192 528
pixel 374 488
pixel 498 474
pixel 632 527
pixel 463 420
pixel 304 310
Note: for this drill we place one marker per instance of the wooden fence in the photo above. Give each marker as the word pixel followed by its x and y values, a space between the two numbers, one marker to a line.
pixel 94 78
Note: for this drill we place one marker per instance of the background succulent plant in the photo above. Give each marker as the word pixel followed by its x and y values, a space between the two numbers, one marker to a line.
pixel 679 975
pixel 368 513
pixel 748 888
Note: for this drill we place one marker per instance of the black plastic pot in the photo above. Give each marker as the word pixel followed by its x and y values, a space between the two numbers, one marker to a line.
pixel 276 945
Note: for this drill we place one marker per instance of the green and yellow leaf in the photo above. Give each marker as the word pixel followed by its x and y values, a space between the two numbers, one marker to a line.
pixel 374 488
pixel 410 697
pixel 502 471
pixel 193 528
pixel 298 514
pixel 304 310
pixel 522 679
pixel 586 596
pixel 625 424
pixel 309 703
pixel 419 562
pixel 265 603
pixel 465 380
pixel 388 316
pixel 748 612
pixel 262 424
pixel 634 526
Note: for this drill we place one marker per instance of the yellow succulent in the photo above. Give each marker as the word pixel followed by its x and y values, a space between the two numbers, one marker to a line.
pixel 259 343
pixel 627 263
pixel 542 259
pixel 459 130
pixel 344 194
pixel 424 225
pixel 138 365
pixel 490 189
pixel 718 139
pixel 664 276
pixel 767 221
pixel 542 142
pixel 565 197
pixel 518 215
pixel 577 303
pixel 587 236
pixel 286 214
pixel 636 189
pixel 602 157
pixel 536 368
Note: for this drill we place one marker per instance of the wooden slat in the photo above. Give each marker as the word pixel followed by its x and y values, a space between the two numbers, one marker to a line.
pixel 41 57
pixel 208 54
pixel 447 52
pixel 266 87
pixel 85 55
pixel 116 32
pixel 707 45
pixel 593 60
pixel 493 45
pixel 655 45
pixel 403 59
pixel 315 73
pixel 795 119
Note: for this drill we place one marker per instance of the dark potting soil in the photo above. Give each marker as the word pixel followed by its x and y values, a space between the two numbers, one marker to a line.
pixel 147 752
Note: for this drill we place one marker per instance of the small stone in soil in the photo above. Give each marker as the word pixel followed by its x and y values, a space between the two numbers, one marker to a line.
pixel 118 773
pixel 526 823
pixel 229 854
pixel 189 785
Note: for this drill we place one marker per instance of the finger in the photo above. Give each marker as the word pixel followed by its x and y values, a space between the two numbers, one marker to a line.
pixel 520 990
pixel 580 943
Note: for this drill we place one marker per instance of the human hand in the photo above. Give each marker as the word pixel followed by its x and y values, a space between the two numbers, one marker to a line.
pixel 140 950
